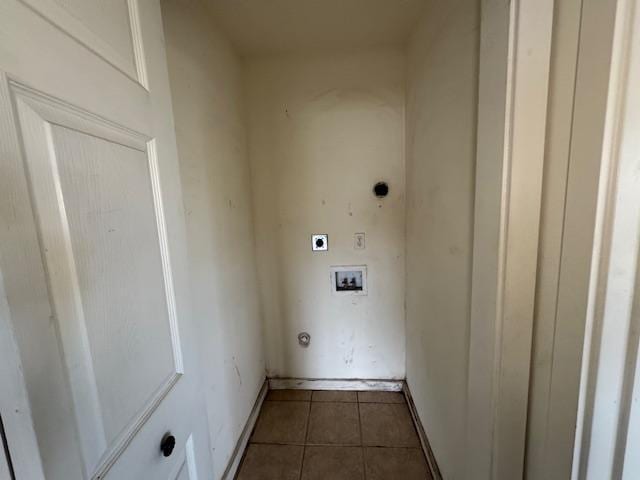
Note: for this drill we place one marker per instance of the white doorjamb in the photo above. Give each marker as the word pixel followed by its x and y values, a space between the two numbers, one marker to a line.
pixel 608 434
pixel 572 224
pixel 515 45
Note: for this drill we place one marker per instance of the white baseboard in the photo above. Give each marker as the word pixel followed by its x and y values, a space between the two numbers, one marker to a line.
pixel 424 441
pixel 241 445
pixel 335 384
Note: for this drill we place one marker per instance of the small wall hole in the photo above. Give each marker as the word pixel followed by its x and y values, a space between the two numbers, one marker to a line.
pixel 381 189
pixel 304 339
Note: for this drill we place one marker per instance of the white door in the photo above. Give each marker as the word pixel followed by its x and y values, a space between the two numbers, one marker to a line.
pixel 94 302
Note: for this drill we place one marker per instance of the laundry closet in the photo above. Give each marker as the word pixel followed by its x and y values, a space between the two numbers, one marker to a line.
pixel 349 122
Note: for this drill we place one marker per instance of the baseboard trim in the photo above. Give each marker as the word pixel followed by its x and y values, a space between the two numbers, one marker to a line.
pixel 424 441
pixel 335 384
pixel 241 444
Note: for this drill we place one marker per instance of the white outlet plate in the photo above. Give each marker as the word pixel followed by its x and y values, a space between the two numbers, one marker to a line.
pixel 320 242
pixel 358 241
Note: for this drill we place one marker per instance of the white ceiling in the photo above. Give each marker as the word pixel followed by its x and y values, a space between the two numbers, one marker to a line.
pixel 278 26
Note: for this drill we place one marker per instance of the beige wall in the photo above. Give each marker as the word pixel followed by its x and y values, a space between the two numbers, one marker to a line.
pixel 441 126
pixel 323 129
pixel 208 106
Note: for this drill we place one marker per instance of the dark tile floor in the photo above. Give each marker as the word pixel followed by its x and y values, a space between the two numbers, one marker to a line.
pixel 331 435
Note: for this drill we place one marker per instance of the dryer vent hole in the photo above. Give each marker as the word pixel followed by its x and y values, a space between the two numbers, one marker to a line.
pixel 381 189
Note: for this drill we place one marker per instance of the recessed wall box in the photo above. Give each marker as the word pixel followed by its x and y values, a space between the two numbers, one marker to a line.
pixel 349 280
pixel 320 242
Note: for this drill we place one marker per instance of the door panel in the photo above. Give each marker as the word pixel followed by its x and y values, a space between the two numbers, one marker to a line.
pixel 49 59
pixel 114 247
pixel 92 246
pixel 102 231
pixel 103 26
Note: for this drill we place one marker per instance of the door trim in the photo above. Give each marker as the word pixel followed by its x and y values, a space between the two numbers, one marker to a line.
pixel 515 49
pixel 608 423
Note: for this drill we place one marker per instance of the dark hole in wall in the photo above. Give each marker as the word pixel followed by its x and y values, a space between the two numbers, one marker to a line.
pixel 381 189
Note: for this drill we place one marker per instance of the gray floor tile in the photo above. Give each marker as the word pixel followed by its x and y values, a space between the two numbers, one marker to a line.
pixel 334 396
pixel 381 397
pixel 282 422
pixel 271 462
pixel 396 464
pixel 333 463
pixel 387 425
pixel 286 395
pixel 334 423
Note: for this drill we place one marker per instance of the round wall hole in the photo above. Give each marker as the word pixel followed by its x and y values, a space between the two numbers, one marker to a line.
pixel 319 243
pixel 304 339
pixel 381 189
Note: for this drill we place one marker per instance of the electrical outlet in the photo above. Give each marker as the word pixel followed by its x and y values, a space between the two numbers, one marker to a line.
pixel 358 241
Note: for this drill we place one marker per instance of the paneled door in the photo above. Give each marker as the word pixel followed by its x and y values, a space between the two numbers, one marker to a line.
pixel 95 336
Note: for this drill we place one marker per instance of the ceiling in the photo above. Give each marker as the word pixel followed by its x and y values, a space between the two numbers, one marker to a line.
pixel 258 27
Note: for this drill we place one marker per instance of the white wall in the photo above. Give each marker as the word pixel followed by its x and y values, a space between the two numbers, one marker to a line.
pixel 208 106
pixel 323 129
pixel 441 126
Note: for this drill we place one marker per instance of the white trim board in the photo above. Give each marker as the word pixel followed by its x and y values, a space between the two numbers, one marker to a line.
pixel 335 384
pixel 608 432
pixel 241 445
pixel 422 435
pixel 515 52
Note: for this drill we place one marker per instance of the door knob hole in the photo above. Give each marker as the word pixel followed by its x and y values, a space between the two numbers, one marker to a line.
pixel 167 444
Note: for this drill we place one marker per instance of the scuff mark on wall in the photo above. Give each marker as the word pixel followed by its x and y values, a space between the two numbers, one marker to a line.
pixel 235 366
pixel 348 358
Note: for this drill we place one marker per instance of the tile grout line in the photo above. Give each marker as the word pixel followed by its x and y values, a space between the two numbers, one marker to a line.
pixel 341 445
pixel 364 461
pixel 306 434
pixel 299 444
